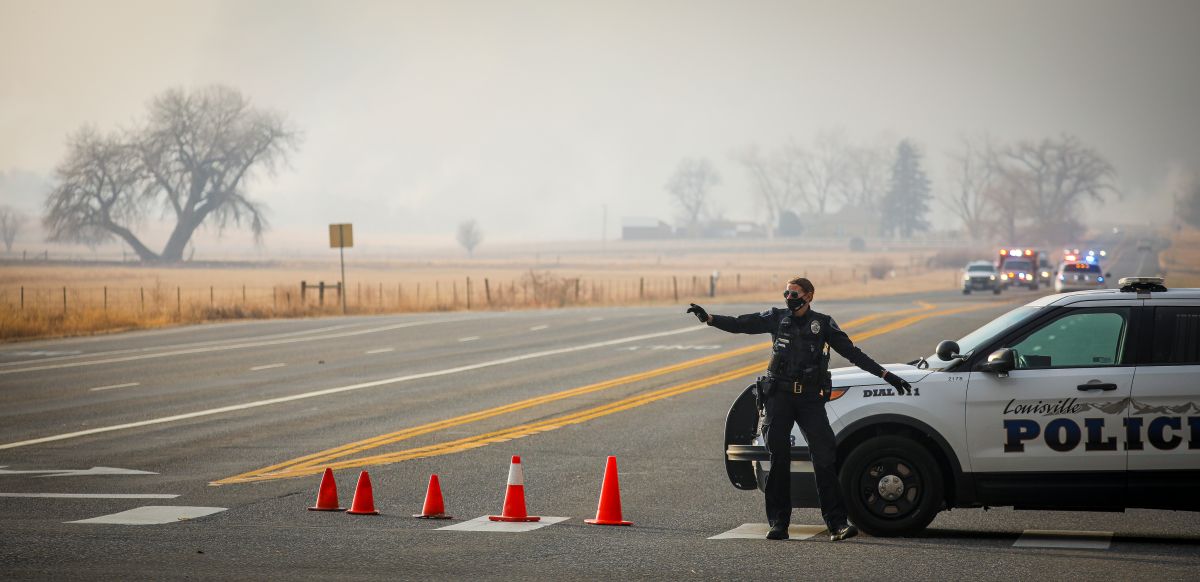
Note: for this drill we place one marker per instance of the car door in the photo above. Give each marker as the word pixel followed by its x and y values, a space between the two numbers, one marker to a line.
pixel 1164 414
pixel 1049 433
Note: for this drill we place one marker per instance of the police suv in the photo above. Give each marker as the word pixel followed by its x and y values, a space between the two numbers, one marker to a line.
pixel 1082 401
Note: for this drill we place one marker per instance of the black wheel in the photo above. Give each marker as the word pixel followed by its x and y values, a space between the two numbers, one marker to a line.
pixel 996 291
pixel 892 486
pixel 966 291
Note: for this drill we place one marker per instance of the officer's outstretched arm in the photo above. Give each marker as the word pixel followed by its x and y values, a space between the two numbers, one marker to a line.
pixel 751 323
pixel 840 342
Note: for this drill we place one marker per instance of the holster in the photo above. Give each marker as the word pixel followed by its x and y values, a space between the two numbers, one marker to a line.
pixel 762 389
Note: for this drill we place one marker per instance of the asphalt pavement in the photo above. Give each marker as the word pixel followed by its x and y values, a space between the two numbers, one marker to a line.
pixel 228 426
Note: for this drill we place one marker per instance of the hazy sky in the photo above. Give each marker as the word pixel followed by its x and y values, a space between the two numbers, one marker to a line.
pixel 529 116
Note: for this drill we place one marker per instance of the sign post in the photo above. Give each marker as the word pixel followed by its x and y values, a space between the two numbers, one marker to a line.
pixel 340 237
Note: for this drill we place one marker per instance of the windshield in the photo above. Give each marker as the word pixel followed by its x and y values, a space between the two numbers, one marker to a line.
pixel 1017 266
pixel 984 268
pixel 969 342
pixel 1082 268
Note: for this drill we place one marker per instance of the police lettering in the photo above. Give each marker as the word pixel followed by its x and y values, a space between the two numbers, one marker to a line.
pixel 1064 434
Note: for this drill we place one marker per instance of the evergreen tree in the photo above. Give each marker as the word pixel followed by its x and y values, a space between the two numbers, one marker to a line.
pixel 907 201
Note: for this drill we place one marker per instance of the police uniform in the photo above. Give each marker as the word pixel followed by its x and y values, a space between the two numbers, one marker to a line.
pixel 798 385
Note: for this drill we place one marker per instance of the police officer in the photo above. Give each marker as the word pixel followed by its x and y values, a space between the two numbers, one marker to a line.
pixel 796 388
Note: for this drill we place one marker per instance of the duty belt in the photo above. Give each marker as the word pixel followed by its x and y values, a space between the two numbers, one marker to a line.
pixel 793 386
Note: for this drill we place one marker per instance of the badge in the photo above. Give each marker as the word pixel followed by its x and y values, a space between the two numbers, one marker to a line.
pixel 815 326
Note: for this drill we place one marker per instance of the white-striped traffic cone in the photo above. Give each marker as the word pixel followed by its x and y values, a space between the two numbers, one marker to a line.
pixel 514 497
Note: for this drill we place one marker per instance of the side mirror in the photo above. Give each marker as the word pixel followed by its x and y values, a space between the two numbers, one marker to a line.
pixel 1002 361
pixel 947 350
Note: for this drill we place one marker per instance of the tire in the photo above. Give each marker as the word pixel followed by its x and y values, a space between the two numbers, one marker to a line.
pixel 996 291
pixel 966 291
pixel 897 460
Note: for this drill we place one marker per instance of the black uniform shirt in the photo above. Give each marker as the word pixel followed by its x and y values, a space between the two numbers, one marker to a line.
pixel 769 322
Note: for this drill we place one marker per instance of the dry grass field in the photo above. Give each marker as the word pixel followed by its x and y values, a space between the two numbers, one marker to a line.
pixel 52 300
pixel 1181 262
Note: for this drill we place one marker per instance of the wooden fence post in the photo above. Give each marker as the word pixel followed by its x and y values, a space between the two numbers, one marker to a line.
pixel 487 291
pixel 64 300
pixel 468 293
pixel 675 287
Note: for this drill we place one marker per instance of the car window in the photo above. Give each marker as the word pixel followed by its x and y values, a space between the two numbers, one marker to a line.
pixel 1017 265
pixel 1176 335
pixel 1084 338
pixel 985 268
pixel 1082 267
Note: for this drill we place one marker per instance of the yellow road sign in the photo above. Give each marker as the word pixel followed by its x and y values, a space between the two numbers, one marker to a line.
pixel 341 236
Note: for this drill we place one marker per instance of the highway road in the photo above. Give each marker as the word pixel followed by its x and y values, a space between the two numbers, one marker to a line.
pixel 228 426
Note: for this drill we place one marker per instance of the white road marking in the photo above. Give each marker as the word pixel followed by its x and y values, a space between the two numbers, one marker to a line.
pixel 381 350
pixel 538 327
pixel 37 353
pixel 482 523
pixel 228 347
pixel 758 531
pixel 93 495
pixel 77 354
pixel 267 367
pixel 595 319
pixel 351 387
pixel 115 386
pixel 468 339
pixel 153 514
pixel 76 472
pixel 1079 540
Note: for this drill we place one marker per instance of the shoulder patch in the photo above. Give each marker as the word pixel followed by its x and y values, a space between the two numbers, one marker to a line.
pixel 833 325
pixel 767 313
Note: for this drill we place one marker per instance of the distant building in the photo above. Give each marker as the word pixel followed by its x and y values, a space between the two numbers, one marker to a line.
pixel 848 221
pixel 733 229
pixel 642 228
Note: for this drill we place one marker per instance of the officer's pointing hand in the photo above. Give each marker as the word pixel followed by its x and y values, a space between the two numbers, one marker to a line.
pixel 900 384
pixel 701 314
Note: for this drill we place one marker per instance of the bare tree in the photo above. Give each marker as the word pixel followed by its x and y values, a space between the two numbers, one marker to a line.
pixel 689 186
pixel 469 236
pixel 201 149
pixel 194 157
pixel 777 179
pixel 100 193
pixel 11 222
pixel 978 194
pixel 824 171
pixel 868 171
pixel 1054 177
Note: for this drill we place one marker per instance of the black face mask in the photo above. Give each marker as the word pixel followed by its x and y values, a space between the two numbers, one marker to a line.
pixel 794 302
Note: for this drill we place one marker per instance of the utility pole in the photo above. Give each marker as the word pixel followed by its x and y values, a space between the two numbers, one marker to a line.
pixel 340 237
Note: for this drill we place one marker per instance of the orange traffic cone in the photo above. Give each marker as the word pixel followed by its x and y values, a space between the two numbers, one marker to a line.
pixel 609 512
pixel 434 508
pixel 364 500
pixel 327 495
pixel 514 497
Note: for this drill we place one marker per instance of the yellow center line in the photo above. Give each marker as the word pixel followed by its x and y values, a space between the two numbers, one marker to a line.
pixel 316 462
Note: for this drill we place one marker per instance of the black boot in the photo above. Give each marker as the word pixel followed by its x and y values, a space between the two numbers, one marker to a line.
pixel 778 532
pixel 845 532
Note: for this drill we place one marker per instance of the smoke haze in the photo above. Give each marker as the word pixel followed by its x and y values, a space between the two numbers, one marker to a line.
pixel 532 117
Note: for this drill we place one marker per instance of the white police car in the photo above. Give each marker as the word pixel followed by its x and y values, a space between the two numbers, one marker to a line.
pixel 1084 401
